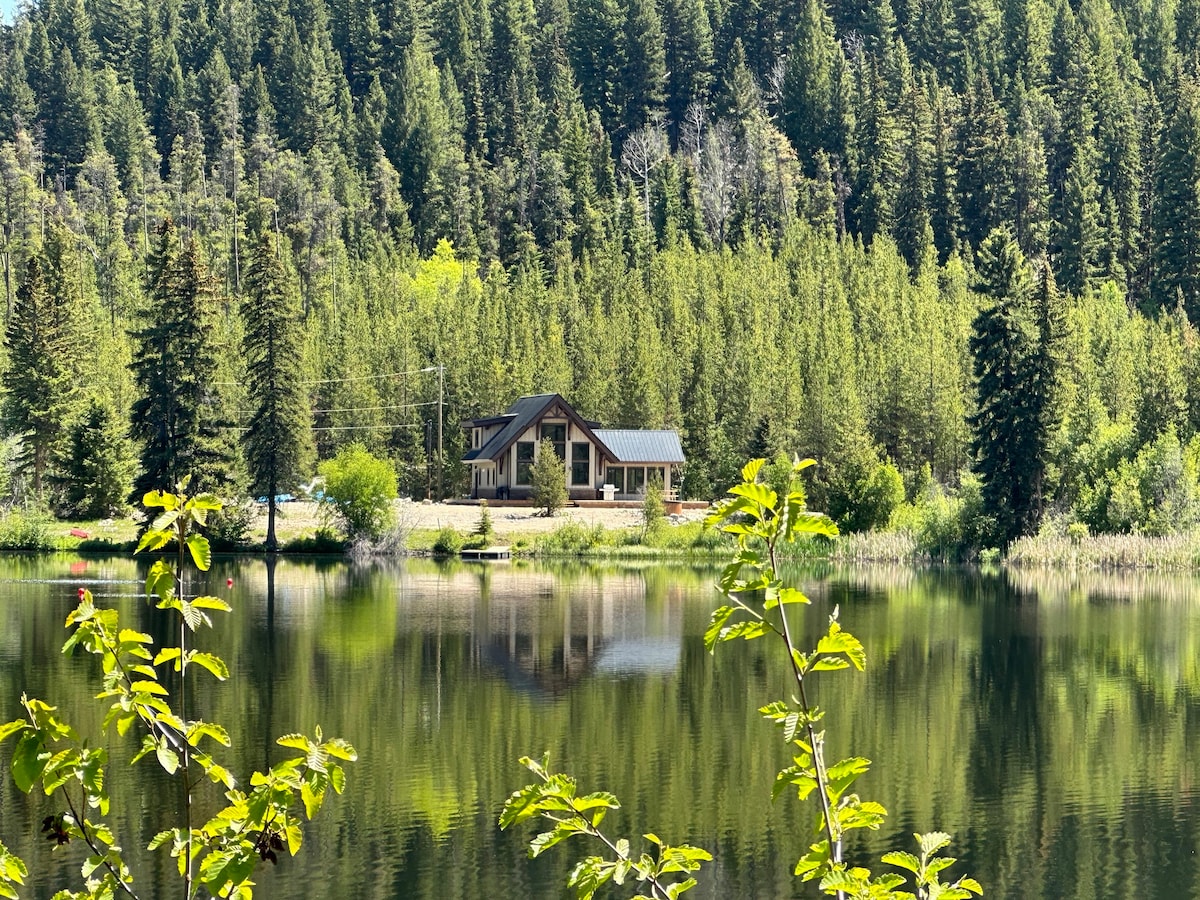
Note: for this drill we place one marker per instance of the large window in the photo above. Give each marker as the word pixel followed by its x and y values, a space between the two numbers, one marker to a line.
pixel 524 461
pixel 637 480
pixel 557 433
pixel 615 475
pixel 581 463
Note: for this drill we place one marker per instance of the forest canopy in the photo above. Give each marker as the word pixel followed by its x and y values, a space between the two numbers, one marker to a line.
pixel 761 223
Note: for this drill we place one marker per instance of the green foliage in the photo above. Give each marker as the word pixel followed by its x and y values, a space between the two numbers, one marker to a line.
pixel 360 488
pixel 548 480
pixel 653 508
pixel 484 528
pixel 99 467
pixel 448 542
pixel 38 384
pixel 27 529
pixel 763 521
pixel 175 362
pixel 325 540
pixel 278 440
pixel 261 817
pixel 554 797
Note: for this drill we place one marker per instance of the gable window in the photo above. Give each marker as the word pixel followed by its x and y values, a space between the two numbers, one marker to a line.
pixel 524 461
pixel 581 463
pixel 556 432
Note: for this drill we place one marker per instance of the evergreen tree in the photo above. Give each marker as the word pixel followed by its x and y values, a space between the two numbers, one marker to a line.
pixel 1176 216
pixel 99 465
pixel 174 363
pixel 38 384
pixel 278 443
pixel 1011 422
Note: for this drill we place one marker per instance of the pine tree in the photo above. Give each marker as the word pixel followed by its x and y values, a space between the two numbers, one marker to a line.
pixel 688 56
pixel 1013 369
pixel 808 87
pixel 174 363
pixel 1176 216
pixel 99 465
pixel 278 443
pixel 38 387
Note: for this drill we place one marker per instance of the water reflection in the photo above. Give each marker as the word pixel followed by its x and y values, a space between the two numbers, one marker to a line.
pixel 1047 721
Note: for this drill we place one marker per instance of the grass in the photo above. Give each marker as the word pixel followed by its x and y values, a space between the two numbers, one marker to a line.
pixel 1174 552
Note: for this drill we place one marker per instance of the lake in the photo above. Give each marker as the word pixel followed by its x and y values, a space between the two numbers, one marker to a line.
pixel 1050 723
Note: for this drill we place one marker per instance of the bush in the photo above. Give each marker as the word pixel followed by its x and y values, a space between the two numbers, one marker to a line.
pixel 548 479
pixel 326 540
pixel 27 530
pixel 229 527
pixel 574 538
pixel 484 529
pixel 360 489
pixel 448 542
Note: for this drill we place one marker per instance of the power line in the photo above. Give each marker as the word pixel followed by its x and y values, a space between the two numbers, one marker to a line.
pixel 366 408
pixel 424 371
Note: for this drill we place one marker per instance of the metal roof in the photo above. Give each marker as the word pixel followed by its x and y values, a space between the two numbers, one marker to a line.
pixel 633 445
pixel 523 413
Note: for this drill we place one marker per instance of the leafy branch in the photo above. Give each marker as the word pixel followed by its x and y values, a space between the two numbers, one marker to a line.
pixel 762 522
pixel 221 854
pixel 554 798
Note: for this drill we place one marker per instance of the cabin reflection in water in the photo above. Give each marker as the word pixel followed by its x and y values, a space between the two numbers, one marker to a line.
pixel 544 632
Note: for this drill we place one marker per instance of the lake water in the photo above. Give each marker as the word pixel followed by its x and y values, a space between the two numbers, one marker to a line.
pixel 1051 724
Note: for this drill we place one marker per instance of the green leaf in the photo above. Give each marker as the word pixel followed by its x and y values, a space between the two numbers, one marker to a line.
pixel 166 654
pixel 838 641
pixel 340 748
pixel 153 540
pixel 294 741
pixel 207 501
pixel 756 493
pixel 212 603
pixel 751 469
pixel 167 758
pixel 212 663
pixel 160 580
pixel 197 545
pixel 155 499
pixel 933 841
pixel 902 859
pixel 29 760
pixel 719 617
pixel 149 687
pixel 10 728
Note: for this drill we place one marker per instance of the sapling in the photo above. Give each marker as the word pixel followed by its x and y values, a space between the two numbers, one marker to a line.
pixel 261 817
pixel 757 599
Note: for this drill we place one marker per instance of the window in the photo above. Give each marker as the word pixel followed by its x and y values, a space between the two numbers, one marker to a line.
pixel 524 461
pixel 581 463
pixel 615 475
pixel 637 480
pixel 557 433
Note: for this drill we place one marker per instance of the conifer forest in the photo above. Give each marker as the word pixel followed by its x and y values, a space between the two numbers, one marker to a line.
pixel 948 248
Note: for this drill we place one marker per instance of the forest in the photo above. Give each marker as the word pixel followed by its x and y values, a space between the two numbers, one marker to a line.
pixel 948 248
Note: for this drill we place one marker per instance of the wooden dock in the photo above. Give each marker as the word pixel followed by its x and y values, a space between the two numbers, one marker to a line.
pixel 487 553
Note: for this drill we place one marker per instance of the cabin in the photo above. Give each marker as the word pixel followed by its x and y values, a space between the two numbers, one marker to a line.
pixel 598 463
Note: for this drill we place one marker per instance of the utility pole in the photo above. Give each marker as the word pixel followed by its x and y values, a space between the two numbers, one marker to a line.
pixel 441 458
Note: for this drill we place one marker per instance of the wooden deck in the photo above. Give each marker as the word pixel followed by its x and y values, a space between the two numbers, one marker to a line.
pixel 487 553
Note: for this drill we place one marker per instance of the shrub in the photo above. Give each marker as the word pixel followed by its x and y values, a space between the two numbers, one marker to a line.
pixel 361 489
pixel 484 528
pixel 448 542
pixel 27 530
pixel 326 540
pixel 229 526
pixel 548 479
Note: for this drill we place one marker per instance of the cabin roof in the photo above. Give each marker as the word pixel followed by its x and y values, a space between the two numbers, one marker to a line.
pixel 525 412
pixel 631 445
